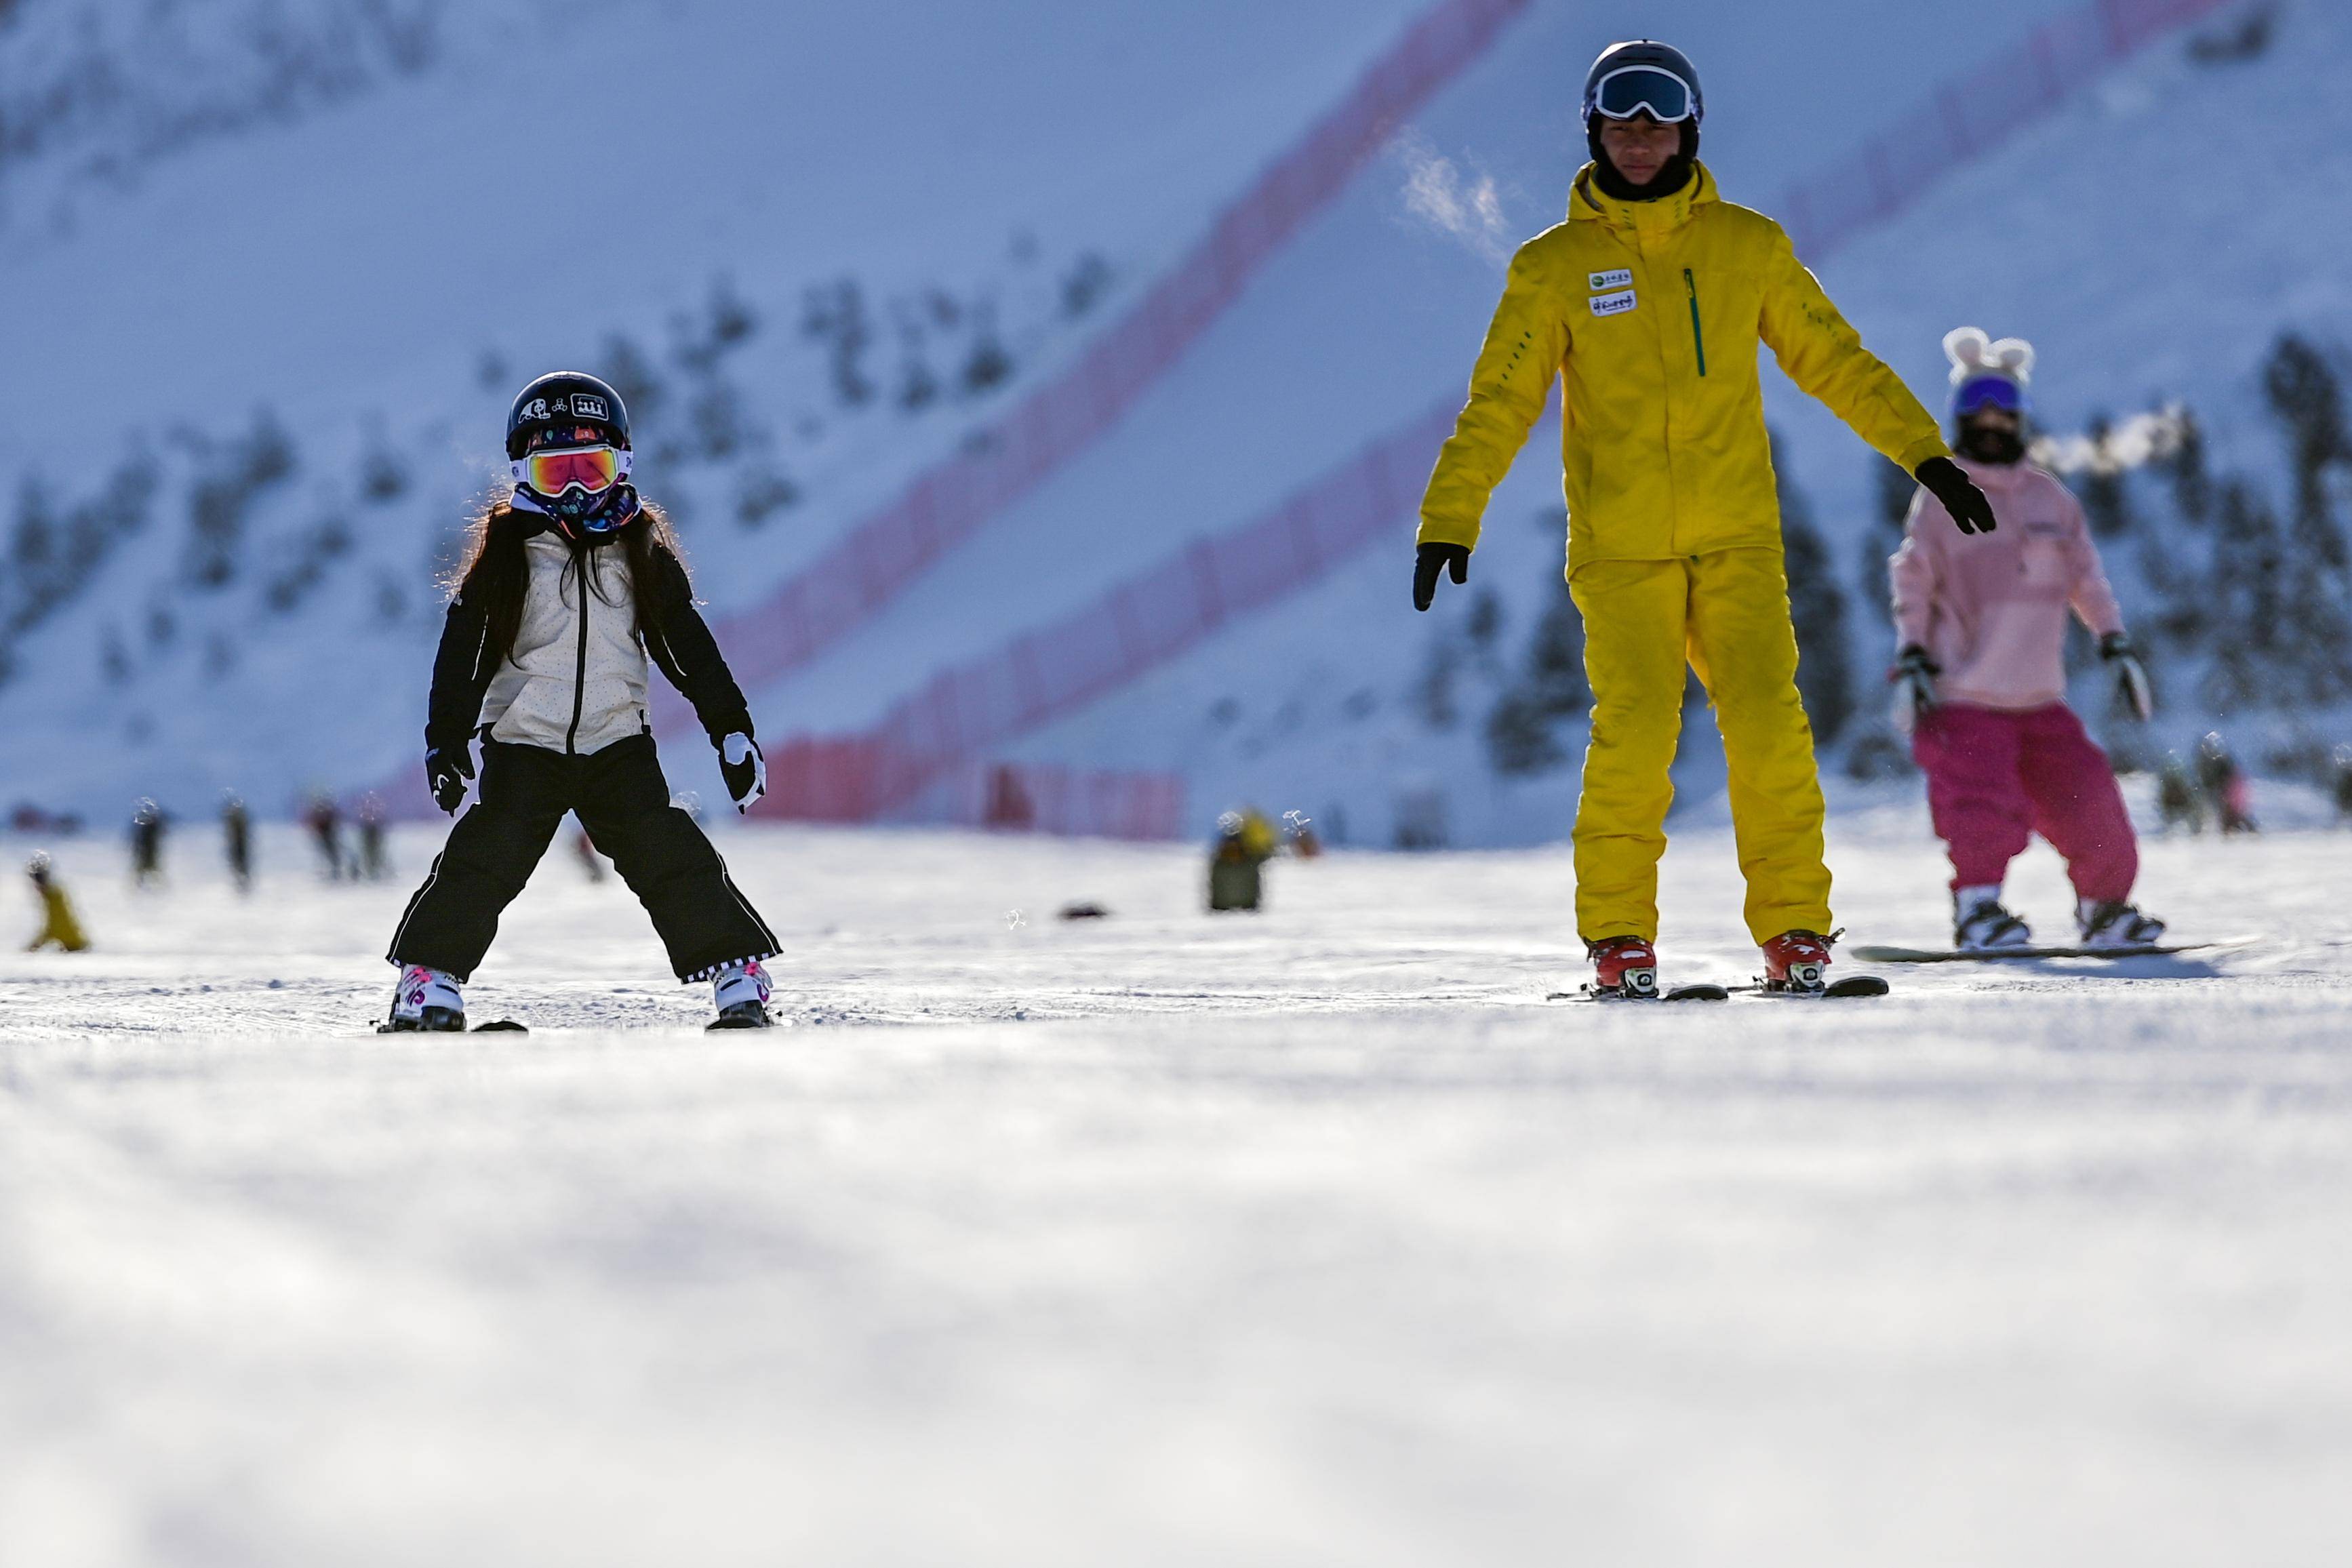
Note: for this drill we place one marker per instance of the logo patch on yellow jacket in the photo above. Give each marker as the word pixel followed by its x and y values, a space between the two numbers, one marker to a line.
pixel 1615 304
pixel 1621 277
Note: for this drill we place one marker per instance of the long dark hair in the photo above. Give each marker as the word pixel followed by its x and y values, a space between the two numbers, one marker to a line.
pixel 494 573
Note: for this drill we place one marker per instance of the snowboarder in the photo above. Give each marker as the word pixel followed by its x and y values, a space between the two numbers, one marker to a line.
pixel 237 839
pixel 1648 303
pixel 569 581
pixel 147 826
pixel 1980 679
pixel 59 926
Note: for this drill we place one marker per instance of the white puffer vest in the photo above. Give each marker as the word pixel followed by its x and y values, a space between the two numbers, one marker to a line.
pixel 576 680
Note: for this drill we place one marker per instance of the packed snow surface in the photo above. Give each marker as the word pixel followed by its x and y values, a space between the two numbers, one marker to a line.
pixel 1317 1236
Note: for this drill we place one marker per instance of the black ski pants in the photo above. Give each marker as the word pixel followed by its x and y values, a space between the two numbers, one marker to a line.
pixel 623 802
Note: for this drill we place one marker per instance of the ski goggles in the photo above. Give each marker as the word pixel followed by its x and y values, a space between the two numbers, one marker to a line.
pixel 1979 392
pixel 595 469
pixel 1630 91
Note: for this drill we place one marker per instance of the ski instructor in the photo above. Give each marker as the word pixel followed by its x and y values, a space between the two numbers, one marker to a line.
pixel 1649 303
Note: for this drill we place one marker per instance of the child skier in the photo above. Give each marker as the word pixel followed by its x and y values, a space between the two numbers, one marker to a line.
pixel 1982 678
pixel 570 580
pixel 1649 304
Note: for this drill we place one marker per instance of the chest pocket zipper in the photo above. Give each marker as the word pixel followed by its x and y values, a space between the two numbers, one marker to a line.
pixel 1698 335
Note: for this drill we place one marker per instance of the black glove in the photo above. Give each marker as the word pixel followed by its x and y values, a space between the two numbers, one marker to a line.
pixel 1429 562
pixel 446 772
pixel 1914 678
pixel 1949 483
pixel 2131 676
pixel 745 771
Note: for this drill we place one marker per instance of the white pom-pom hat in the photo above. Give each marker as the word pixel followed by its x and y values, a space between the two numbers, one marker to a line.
pixel 1984 372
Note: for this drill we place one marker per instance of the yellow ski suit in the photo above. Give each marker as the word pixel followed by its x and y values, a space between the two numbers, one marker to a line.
pixel 1649 313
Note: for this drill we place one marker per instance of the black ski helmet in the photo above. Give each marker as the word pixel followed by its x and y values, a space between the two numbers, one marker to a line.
pixel 566 398
pixel 1634 54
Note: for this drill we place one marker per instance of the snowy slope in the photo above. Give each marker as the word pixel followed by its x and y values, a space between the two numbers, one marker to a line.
pixel 1313 1237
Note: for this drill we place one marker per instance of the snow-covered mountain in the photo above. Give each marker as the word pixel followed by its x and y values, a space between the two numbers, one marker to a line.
pixel 270 279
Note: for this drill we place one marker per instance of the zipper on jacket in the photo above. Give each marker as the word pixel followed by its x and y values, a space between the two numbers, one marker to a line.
pixel 1698 337
pixel 580 668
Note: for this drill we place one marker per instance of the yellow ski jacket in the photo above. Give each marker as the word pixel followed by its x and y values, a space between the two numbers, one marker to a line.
pixel 1650 312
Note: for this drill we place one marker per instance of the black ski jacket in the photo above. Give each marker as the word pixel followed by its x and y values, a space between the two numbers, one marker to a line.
pixel 670 630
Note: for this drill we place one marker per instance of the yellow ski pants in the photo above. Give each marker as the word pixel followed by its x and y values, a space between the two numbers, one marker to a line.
pixel 1727 615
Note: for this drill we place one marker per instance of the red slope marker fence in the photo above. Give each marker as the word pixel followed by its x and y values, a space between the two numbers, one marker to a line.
pixel 1973 114
pixel 877 558
pixel 918 762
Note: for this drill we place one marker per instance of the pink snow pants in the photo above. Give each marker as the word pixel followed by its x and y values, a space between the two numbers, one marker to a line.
pixel 1996 777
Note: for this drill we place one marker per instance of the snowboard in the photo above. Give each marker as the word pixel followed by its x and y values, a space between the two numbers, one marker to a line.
pixel 1853 985
pixel 2011 955
pixel 1700 993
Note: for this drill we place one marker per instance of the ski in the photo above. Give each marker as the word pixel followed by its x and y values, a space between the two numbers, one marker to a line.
pixel 2014 955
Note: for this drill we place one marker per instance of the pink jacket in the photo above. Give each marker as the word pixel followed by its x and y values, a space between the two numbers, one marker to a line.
pixel 1991 608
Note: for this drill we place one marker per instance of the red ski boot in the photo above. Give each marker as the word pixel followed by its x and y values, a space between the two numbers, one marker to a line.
pixel 1797 961
pixel 1623 966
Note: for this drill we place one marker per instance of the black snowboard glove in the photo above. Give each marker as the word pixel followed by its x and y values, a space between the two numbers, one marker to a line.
pixel 446 772
pixel 1431 561
pixel 744 768
pixel 1949 483
pixel 2131 677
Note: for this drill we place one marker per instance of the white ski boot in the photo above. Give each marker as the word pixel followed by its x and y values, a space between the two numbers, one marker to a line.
pixel 426 1001
pixel 1980 924
pixel 741 991
pixel 2115 923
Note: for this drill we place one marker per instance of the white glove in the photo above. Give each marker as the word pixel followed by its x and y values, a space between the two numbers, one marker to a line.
pixel 745 771
pixel 2131 676
pixel 1914 678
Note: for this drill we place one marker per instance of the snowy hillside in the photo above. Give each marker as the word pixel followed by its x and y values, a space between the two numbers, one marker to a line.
pixel 833 246
pixel 266 374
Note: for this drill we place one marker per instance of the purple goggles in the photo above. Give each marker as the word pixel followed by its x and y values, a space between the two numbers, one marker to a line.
pixel 1989 391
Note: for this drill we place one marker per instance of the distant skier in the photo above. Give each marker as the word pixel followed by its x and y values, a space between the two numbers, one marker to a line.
pixel 60 927
pixel 2223 784
pixel 147 826
pixel 1246 841
pixel 373 866
pixel 583 849
pixel 236 841
pixel 569 581
pixel 2341 783
pixel 1980 679
pixel 2178 801
pixel 324 817
pixel 1649 303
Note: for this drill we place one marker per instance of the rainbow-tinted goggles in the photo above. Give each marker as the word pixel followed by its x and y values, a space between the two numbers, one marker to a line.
pixel 1653 90
pixel 1989 391
pixel 593 469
